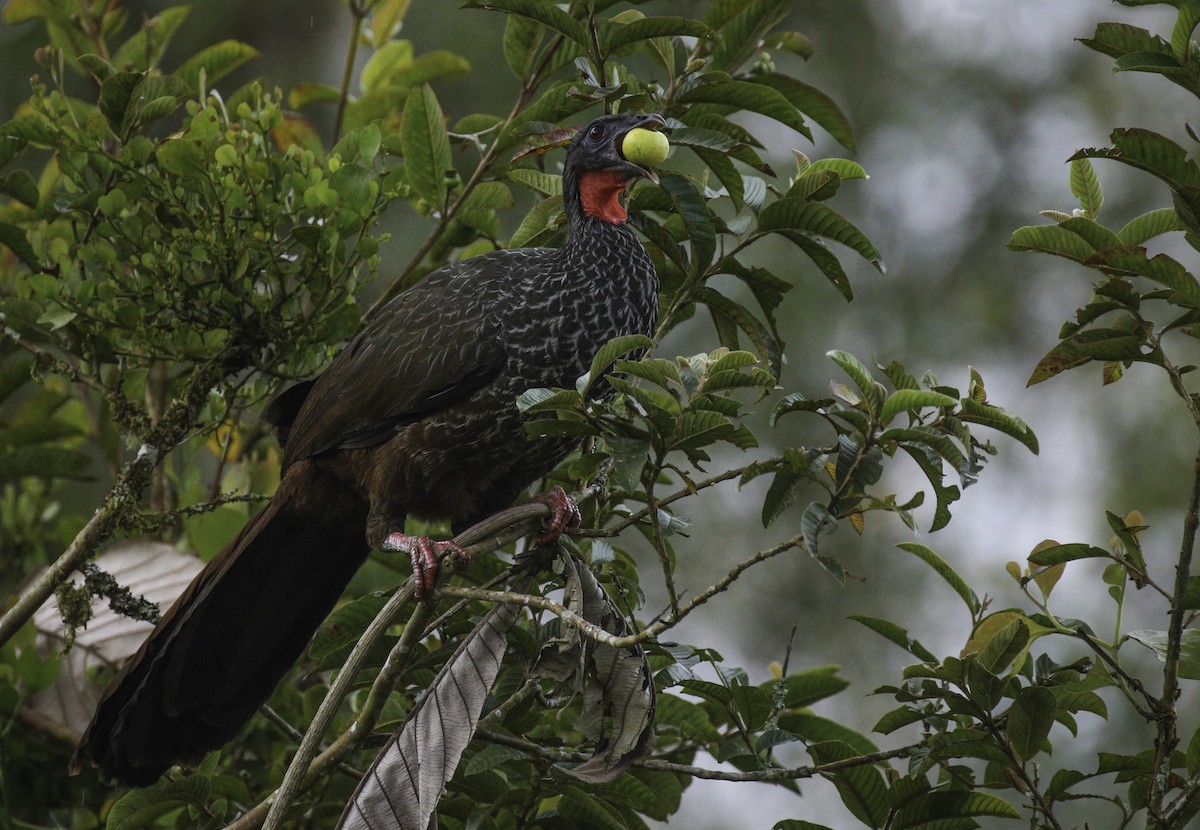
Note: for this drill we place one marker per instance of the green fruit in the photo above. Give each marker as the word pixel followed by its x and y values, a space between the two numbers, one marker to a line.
pixel 644 147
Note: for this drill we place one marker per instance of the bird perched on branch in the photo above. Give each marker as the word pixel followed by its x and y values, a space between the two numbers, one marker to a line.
pixel 416 417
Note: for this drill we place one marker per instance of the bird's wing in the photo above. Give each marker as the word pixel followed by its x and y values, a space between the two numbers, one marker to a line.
pixel 432 346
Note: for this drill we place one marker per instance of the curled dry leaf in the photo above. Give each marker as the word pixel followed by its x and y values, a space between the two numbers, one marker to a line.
pixel 616 683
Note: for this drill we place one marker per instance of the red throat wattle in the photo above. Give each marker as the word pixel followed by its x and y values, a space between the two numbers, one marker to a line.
pixel 599 191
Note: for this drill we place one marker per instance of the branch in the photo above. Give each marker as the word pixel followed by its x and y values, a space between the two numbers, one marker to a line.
pixel 307 767
pixel 1167 737
pixel 600 635
pixel 123 496
pixel 764 775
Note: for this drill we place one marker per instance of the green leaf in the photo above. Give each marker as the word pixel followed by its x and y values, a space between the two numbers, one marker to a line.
pixel 115 95
pixel 1149 225
pixel 1154 62
pixel 1050 239
pixel 1003 649
pixel 820 219
pixel 895 634
pixel 140 808
pixel 543 220
pixel 845 168
pixel 393 57
pixel 1185 25
pixel 608 354
pixel 13 237
pixel 943 569
pixel 861 376
pixel 1162 269
pixel 386 19
pixel 548 14
pixel 933 810
pixel 743 31
pixel 1189 649
pixel 44 463
pixel 1058 554
pixel 862 788
pixel 815 104
pixel 759 334
pixel 217 61
pixel 344 628
pixel 904 400
pixel 521 38
pixel 548 184
pixel 426 146
pixel 1085 186
pixel 750 96
pixel 996 418
pixel 613 36
pixel 806 687
pixel 693 210
pixel 1117 39
pixel 1029 720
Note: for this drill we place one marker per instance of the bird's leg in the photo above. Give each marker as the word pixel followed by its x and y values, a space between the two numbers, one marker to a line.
pixel 426 556
pixel 565 514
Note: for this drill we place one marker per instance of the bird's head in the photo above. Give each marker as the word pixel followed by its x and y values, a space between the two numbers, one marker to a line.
pixel 597 172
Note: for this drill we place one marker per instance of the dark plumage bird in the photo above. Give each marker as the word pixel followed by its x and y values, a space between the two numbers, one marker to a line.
pixel 416 416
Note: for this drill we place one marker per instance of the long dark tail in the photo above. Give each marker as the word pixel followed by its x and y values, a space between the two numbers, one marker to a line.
pixel 220 650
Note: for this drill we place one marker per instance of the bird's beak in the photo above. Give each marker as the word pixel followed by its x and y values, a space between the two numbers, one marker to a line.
pixel 652 121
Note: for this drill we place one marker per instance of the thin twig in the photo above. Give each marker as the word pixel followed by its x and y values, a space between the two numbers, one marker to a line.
pixel 600 635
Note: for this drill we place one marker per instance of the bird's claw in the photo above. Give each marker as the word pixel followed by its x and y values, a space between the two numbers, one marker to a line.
pixel 564 514
pixel 426 557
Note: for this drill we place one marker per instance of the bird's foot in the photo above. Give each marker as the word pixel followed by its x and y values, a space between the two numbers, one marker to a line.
pixel 565 514
pixel 426 557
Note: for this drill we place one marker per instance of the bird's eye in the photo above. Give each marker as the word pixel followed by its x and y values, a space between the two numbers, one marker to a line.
pixel 595 133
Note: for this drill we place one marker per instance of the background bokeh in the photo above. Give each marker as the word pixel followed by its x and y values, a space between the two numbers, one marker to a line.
pixel 964 112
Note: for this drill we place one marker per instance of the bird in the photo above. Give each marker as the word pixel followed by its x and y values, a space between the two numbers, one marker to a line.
pixel 416 416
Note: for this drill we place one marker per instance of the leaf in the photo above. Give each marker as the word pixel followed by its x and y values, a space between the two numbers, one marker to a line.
pixel 933 810
pixel 403 785
pixel 1058 554
pixel 820 219
pixel 139 808
pixel 693 210
pixel 608 354
pixel 43 463
pixel 998 419
pixel 1085 186
pixel 146 47
pixel 426 146
pixel 750 96
pixel 613 36
pixel 13 237
pixel 742 32
pixel 548 184
pixel 1050 239
pixel 393 57
pixel 521 37
pixel 548 14
pixel 1149 225
pixel 1029 720
pixel 115 94
pixel 861 376
pixel 387 17
pixel 815 104
pixel 943 569
pixel 217 61
pixel 904 400
pixel 862 788
pixel 1189 649
pixel 1162 269
pixel 617 685
pixel 895 634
